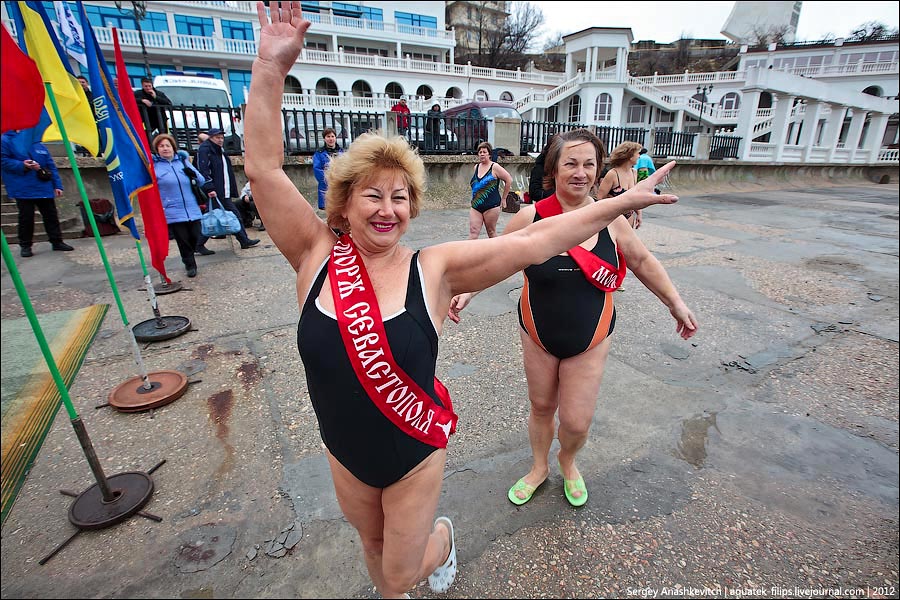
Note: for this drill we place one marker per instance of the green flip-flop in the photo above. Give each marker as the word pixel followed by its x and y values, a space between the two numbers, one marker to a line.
pixel 522 486
pixel 575 485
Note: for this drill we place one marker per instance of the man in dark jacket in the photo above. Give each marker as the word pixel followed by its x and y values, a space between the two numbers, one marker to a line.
pixel 32 181
pixel 150 101
pixel 215 165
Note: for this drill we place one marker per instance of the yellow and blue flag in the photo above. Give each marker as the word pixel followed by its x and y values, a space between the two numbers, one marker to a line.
pixel 127 164
pixel 37 39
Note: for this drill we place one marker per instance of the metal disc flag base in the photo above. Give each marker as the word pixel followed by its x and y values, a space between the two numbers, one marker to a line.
pixel 131 491
pixel 132 395
pixel 160 328
pixel 163 288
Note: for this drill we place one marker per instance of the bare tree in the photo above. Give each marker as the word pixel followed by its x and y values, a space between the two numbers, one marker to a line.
pixel 504 45
pixel 871 30
pixel 762 36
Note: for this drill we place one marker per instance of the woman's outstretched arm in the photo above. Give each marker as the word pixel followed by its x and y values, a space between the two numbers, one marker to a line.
pixel 289 218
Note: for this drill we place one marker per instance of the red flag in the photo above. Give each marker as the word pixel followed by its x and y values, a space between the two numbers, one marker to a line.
pixel 155 228
pixel 21 87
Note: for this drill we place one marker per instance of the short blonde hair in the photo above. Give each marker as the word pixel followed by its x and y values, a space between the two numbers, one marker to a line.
pixel 161 137
pixel 369 156
pixel 622 153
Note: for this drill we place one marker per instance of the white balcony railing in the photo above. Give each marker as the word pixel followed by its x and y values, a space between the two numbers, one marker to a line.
pixel 888 154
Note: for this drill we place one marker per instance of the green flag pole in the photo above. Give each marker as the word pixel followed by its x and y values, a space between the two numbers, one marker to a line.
pixel 90 213
pixel 74 417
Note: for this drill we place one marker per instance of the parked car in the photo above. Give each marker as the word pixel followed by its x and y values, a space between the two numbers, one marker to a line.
pixel 446 139
pixel 470 121
pixel 305 130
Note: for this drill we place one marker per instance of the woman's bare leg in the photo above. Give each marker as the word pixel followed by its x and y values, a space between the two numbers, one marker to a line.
pixel 543 395
pixel 476 220
pixel 490 221
pixel 579 385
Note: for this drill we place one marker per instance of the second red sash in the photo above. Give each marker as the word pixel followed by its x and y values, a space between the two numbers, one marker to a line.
pixel 396 395
pixel 600 273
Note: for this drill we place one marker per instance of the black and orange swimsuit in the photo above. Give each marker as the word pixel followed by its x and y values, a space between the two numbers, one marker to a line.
pixel 561 310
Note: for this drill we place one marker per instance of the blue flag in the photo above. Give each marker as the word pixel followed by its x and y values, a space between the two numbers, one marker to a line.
pixel 127 164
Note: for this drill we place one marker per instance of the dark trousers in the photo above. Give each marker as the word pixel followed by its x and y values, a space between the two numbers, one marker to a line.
pixel 242 236
pixel 248 212
pixel 186 235
pixel 47 206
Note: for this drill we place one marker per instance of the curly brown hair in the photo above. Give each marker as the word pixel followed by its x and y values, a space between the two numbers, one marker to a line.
pixel 622 153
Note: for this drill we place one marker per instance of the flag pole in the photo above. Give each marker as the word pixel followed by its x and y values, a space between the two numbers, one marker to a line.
pixel 133 489
pixel 168 385
pixel 90 213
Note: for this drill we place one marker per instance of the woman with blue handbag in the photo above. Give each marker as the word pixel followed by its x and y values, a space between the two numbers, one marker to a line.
pixel 178 199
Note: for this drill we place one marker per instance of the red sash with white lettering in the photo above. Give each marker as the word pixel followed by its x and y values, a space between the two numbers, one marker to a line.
pixel 394 392
pixel 600 273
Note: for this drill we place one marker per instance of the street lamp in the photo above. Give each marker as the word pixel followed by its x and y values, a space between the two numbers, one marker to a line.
pixel 139 10
pixel 702 91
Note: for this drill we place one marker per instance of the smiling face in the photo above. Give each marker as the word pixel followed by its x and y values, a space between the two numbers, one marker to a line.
pixel 379 211
pixel 576 171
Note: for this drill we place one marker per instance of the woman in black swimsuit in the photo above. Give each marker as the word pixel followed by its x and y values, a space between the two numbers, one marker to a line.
pixel 369 345
pixel 567 321
pixel 622 176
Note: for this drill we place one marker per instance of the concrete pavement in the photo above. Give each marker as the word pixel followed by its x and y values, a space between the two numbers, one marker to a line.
pixel 758 458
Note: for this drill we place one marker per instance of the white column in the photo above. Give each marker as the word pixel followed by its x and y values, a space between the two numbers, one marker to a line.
pixel 780 117
pixel 810 124
pixel 570 69
pixel 877 125
pixel 746 121
pixel 856 124
pixel 832 132
pixel 678 125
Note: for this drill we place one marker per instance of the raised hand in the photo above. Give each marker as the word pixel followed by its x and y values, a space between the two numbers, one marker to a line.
pixel 281 40
pixel 643 194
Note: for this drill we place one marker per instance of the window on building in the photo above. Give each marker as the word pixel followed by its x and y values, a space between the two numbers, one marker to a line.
pixel 361 89
pixel 425 57
pixel 394 90
pixel 575 109
pixel 365 51
pixel 107 16
pixel 326 87
pixel 424 91
pixel 730 101
pixel 238 81
pixel 310 6
pixel 292 86
pixel 506 96
pixel 481 96
pixel 851 58
pixel 603 108
pixel 136 71
pixel 405 18
pixel 355 11
pixel 636 110
pixel 237 30
pixel 664 116
pixel 189 25
pixel 316 46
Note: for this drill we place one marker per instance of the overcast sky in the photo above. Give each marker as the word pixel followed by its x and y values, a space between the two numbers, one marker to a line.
pixel 666 21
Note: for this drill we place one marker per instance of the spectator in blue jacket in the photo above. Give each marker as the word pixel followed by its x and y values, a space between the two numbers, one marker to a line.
pixel 321 159
pixel 178 200
pixel 645 167
pixel 32 180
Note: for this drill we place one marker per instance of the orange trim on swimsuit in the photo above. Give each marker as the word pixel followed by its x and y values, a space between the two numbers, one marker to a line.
pixel 528 318
pixel 602 331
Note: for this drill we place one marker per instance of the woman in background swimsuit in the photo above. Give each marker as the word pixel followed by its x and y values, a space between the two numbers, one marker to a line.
pixel 566 321
pixel 387 480
pixel 487 200
pixel 622 176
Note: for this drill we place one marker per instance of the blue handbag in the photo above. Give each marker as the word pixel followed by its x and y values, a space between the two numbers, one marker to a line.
pixel 218 221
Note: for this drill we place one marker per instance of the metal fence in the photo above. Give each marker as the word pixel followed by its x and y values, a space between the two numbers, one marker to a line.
pixel 724 146
pixel 670 144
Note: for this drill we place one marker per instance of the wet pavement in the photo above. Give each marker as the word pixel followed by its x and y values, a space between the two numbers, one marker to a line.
pixel 759 458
